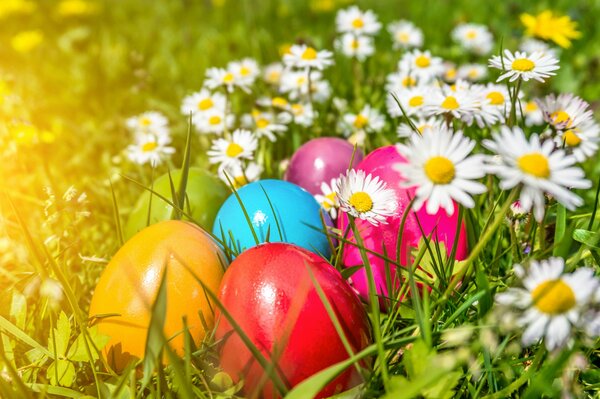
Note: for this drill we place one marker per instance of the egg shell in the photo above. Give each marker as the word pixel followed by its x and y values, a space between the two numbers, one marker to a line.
pixel 129 285
pixel 205 193
pixel 269 293
pixel 380 163
pixel 320 160
pixel 295 209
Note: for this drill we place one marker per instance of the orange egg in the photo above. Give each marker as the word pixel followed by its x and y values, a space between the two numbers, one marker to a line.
pixel 129 285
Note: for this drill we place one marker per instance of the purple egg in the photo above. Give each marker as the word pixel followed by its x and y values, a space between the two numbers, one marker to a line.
pixel 320 160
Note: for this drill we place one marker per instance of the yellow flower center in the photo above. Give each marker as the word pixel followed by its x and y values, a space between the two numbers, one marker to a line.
pixel 149 146
pixel 440 170
pixel 495 97
pixel 422 61
pixel 423 127
pixel 297 109
pixel 451 73
pixel 205 104
pixel 214 120
pixel 571 139
pixel 233 150
pixel 408 81
pixel 473 73
pixel 361 201
pixel 471 34
pixel 415 101
pixel 553 297
pixel 328 204
pixel 145 121
pixel 239 181
pixel 523 65
pixel 228 78
pixel 403 37
pixel 354 44
pixel 309 54
pixel 358 23
pixel 531 106
pixel 244 71
pixel 279 102
pixel 360 121
pixel 535 164
pixel 450 103
pixel 262 123
pixel 560 117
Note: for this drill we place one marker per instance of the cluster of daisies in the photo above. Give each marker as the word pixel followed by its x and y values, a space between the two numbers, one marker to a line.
pixel 151 138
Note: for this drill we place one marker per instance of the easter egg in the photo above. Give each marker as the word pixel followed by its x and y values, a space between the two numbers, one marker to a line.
pixel 204 195
pixel 320 160
pixel 129 285
pixel 278 211
pixel 269 292
pixel 386 238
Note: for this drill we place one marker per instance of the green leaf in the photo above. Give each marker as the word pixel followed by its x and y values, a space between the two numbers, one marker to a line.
pixel 60 335
pixel 22 336
pixel 78 353
pixel 61 372
pixel 58 391
pixel 561 227
pixel 587 237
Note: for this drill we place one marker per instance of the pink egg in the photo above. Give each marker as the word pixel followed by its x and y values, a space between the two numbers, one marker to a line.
pixel 385 236
pixel 320 160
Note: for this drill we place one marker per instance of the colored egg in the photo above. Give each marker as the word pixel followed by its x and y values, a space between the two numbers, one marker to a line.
pixel 129 285
pixel 278 211
pixel 269 292
pixel 383 239
pixel 205 193
pixel 320 160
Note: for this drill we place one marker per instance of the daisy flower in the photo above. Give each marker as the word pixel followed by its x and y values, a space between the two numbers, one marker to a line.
pixel 212 121
pixel 365 197
pixel 240 175
pixel 412 101
pixel 536 66
pixel 458 103
pixel 400 80
pixel 438 163
pixel 450 72
pixel 581 141
pixel 328 199
pixel 149 148
pixel 405 35
pixel 495 103
pixel 303 114
pixel 538 167
pixel 368 119
pixel 201 102
pixel 551 303
pixel 226 151
pixel 474 38
pixel 272 73
pixel 405 130
pixel 303 56
pixel 565 111
pixel 245 71
pixel 532 113
pixel 422 65
pixel 264 124
pixel 221 77
pixel 472 72
pixel 320 88
pixel 353 20
pixel 352 46
pixel 149 122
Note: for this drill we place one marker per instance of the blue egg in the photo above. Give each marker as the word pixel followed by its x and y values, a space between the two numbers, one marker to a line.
pixel 293 216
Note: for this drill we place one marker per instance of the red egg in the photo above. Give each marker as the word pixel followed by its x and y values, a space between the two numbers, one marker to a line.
pixel 269 292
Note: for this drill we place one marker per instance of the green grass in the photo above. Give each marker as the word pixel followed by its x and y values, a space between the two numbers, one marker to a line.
pixel 93 72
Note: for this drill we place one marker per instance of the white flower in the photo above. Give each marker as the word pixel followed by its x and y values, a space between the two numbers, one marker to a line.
pixel 245 71
pixel 495 104
pixel 531 45
pixel 212 121
pixel 272 73
pixel 264 124
pixel 359 47
pixel 551 302
pixel 240 175
pixel 472 72
pixel 355 21
pixel 149 148
pixel 397 81
pixel 328 199
pixel 581 141
pixel 201 102
pixel 405 130
pixel 226 151
pixel 303 114
pixel 368 119
pixel 532 112
pixel 365 197
pixel 303 56
pixel 405 35
pixel 412 101
pixel 459 103
pixel 422 65
pixel 151 122
pixel 536 66
pixel 220 77
pixel 438 163
pixel 474 37
pixel 538 167
pixel 565 111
